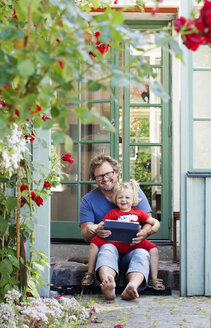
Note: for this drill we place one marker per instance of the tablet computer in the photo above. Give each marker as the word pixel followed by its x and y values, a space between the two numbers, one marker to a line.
pixel 121 231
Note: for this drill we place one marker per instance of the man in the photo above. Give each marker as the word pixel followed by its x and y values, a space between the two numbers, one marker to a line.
pixel 94 205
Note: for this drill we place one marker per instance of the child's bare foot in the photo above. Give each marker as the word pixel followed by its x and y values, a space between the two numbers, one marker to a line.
pixel 129 293
pixel 108 287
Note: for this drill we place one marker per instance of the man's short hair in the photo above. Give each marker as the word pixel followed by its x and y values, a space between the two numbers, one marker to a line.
pixel 99 160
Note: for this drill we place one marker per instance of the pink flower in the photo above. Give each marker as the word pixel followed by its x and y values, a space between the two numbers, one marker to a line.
pixel 118 326
pixel 115 2
pixel 47 185
pixel 67 158
pixel 24 187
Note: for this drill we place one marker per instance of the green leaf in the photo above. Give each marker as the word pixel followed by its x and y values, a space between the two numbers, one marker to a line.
pixel 26 68
pixel 106 124
pixel 5 267
pixel 32 288
pixel 68 144
pixel 54 112
pixel 95 86
pixel 120 80
pixel 47 124
pixel 174 45
pixel 7 34
pixel 13 260
pixel 158 90
pixel 39 265
pixel 11 203
pixel 3 225
pixel 85 115
pixel 57 137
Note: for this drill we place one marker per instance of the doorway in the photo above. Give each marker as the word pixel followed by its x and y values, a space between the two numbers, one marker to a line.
pixel 141 143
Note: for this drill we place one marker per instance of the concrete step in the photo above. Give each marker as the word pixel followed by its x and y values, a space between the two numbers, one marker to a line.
pixel 69 263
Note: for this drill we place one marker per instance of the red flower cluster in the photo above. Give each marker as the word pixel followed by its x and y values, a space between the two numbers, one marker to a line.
pixel 198 31
pixel 37 199
pixel 29 137
pixel 24 187
pixel 102 47
pixel 67 158
pixel 47 185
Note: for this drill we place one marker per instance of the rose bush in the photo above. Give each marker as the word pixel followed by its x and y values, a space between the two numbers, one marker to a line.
pixel 196 31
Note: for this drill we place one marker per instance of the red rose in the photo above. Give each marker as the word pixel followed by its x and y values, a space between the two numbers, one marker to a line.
pixel 47 185
pixel 205 21
pixel 24 187
pixel 33 195
pixel 45 118
pixel 23 201
pixel 17 112
pixel 205 13
pixel 29 137
pixel 97 34
pixel 38 200
pixel 6 86
pixel 67 158
pixel 60 62
pixel 3 104
pixel 179 23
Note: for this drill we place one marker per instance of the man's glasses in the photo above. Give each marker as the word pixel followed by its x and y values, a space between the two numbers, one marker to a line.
pixel 106 175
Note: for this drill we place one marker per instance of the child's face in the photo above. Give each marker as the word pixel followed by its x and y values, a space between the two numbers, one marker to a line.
pixel 124 200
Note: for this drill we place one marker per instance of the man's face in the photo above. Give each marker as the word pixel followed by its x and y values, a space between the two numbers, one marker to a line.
pixel 106 177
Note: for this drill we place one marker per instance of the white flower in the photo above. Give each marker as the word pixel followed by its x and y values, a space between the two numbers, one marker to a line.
pixel 12 148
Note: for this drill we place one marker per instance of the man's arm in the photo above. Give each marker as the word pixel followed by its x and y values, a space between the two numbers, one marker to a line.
pixel 89 230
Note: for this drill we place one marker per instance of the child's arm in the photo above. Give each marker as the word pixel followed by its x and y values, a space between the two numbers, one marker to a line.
pixel 154 223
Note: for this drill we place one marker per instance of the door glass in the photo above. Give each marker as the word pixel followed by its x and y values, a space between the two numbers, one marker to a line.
pixel 95 131
pixel 145 163
pixel 88 151
pixel 145 124
pixel 64 203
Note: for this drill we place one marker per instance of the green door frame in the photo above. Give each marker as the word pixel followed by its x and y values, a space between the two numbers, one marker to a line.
pixel 71 229
pixel 166 141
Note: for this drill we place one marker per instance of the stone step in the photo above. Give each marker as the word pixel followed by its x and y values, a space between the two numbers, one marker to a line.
pixel 69 263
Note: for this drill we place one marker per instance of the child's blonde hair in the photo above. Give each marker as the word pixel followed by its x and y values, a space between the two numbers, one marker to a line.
pixel 132 186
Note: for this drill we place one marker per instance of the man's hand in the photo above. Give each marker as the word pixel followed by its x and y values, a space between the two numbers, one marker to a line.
pixel 100 232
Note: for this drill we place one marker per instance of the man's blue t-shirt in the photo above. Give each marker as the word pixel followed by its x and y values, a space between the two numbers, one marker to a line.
pixel 94 206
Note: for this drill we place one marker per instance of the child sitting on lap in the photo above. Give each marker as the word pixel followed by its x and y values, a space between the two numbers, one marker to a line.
pixel 125 196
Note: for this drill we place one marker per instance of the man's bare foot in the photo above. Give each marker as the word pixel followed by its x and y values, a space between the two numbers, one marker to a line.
pixel 129 293
pixel 108 287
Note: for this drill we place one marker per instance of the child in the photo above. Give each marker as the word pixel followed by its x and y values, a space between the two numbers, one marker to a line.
pixel 125 196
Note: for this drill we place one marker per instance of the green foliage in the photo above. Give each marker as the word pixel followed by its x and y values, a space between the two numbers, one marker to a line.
pixel 46 63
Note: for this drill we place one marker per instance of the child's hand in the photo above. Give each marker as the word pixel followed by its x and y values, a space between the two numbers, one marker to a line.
pixel 100 232
pixel 139 236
